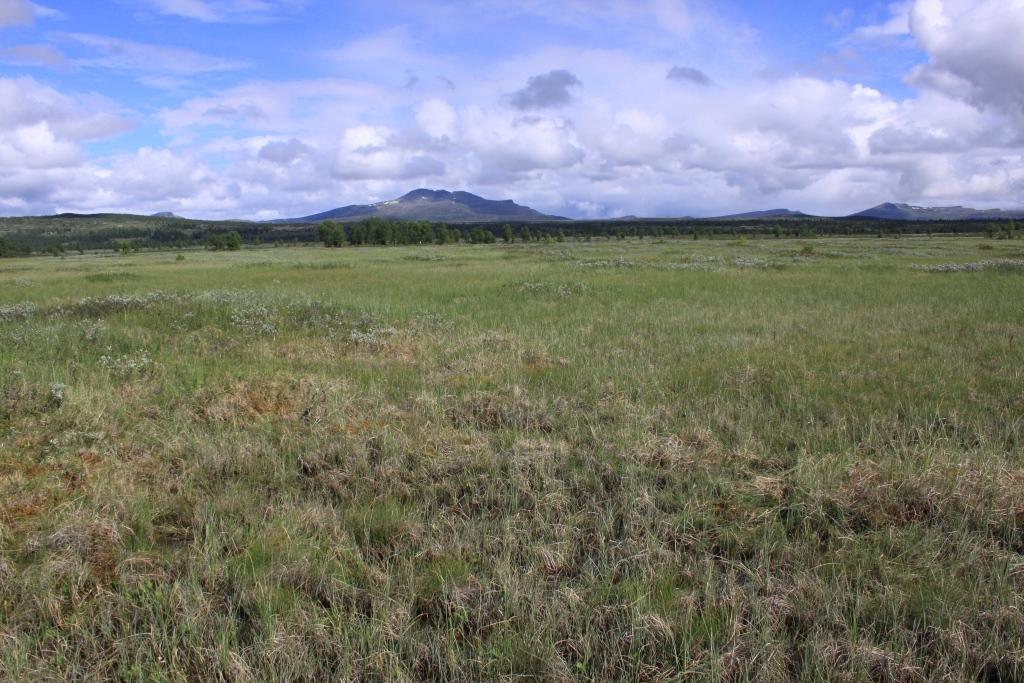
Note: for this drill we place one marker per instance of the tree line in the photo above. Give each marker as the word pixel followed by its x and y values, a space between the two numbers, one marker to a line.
pixel 59 237
pixel 379 231
pixel 7 249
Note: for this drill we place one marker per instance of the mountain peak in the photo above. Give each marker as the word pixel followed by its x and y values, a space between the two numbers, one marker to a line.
pixel 433 205
pixel 908 212
pixel 424 193
pixel 757 215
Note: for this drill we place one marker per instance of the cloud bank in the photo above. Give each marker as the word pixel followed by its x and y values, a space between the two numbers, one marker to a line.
pixel 575 129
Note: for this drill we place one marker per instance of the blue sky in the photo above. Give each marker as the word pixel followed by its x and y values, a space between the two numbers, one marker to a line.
pixel 596 108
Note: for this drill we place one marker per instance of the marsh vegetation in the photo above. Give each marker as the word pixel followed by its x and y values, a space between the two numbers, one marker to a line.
pixel 767 460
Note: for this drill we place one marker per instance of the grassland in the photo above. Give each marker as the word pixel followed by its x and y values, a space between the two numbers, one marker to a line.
pixel 683 460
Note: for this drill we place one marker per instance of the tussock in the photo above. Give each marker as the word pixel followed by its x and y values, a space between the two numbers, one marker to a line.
pixel 507 410
pixel 616 461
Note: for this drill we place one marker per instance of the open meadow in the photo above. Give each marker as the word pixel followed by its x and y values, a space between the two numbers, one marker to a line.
pixel 771 460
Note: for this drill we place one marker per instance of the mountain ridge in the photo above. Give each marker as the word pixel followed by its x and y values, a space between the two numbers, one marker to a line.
pixel 442 206
pixel 465 207
pixel 907 212
pixel 432 205
pixel 758 215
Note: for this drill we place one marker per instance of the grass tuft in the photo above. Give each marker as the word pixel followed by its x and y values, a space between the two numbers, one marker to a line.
pixel 612 460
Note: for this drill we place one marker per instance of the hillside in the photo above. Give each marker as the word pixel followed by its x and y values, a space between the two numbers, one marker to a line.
pixel 762 215
pixel 432 205
pixel 906 212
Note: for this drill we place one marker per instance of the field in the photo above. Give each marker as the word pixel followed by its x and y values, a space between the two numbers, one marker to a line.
pixel 767 460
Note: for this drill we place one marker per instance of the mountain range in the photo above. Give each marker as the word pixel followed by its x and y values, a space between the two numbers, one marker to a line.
pixel 464 207
pixel 906 212
pixel 442 206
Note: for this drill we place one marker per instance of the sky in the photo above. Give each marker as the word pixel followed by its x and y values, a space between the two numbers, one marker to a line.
pixel 264 109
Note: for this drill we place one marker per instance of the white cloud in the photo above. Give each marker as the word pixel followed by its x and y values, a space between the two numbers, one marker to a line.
pixel 292 148
pixel 505 146
pixel 21 12
pixel 15 12
pixel 36 146
pixel 632 141
pixel 48 12
pixel 392 46
pixel 131 56
pixel 898 23
pixel 161 175
pixel 975 51
pixel 280 107
pixel 218 11
pixel 650 20
pixel 762 139
pixel 45 55
pixel 437 118
pixel 41 131
pixel 24 103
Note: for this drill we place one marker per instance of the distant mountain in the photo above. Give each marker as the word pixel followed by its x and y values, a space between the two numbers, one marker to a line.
pixel 164 214
pixel 906 212
pixel 760 215
pixel 435 206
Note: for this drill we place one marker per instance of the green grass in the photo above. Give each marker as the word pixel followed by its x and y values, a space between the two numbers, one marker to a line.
pixel 683 460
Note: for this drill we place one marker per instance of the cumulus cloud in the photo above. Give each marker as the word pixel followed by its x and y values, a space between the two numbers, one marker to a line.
pixel 159 175
pixel 437 118
pixel 289 150
pixel 24 102
pixel 975 51
pixel 36 146
pixel 553 89
pixel 146 180
pixel 626 144
pixel 934 123
pixel 688 74
pixel 284 152
pixel 41 136
pixel 367 152
pixel 506 147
